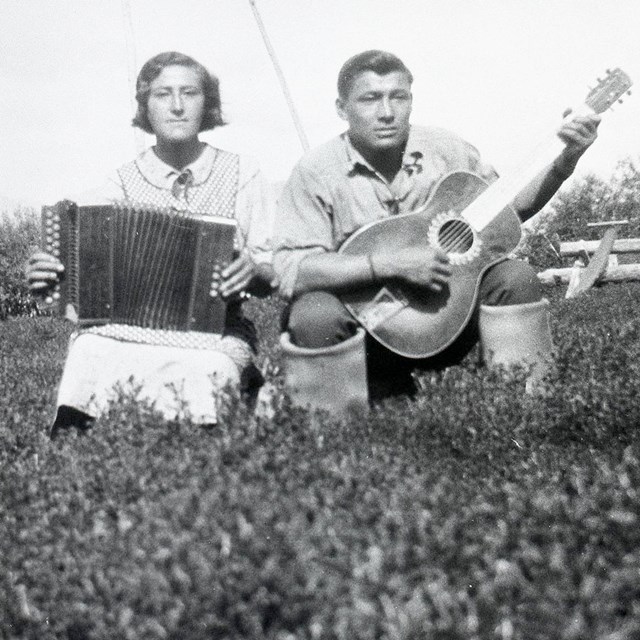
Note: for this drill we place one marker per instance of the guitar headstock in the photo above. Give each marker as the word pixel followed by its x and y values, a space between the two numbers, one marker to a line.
pixel 609 90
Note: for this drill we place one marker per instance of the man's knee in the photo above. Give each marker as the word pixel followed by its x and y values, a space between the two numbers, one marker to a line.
pixel 318 319
pixel 510 282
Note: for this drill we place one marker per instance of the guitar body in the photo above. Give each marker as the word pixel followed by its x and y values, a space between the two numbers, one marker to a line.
pixel 417 322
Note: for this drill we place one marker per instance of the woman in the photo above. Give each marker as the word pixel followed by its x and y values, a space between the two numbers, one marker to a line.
pixel 177 99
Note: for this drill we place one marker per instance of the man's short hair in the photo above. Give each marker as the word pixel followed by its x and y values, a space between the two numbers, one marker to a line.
pixel 151 69
pixel 380 62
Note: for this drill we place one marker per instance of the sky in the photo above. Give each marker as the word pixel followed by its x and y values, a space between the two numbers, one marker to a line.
pixel 498 72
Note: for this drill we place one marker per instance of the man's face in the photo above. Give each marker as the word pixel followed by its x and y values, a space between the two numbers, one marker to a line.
pixel 377 110
pixel 176 104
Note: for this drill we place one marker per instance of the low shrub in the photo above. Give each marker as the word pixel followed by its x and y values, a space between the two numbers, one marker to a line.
pixel 591 198
pixel 471 512
pixel 594 199
pixel 19 234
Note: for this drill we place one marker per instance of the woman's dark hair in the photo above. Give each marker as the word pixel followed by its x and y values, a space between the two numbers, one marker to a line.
pixel 151 69
pixel 380 62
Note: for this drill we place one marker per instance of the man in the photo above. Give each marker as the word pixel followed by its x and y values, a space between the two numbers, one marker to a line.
pixel 380 167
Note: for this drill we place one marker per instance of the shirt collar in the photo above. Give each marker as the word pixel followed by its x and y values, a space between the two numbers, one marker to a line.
pixel 162 175
pixel 355 160
pixel 411 158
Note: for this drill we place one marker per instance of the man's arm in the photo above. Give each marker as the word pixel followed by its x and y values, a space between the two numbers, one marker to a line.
pixel 306 258
pixel 420 266
pixel 425 266
pixel 578 135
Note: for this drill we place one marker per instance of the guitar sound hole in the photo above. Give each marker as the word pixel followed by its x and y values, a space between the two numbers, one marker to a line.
pixel 455 236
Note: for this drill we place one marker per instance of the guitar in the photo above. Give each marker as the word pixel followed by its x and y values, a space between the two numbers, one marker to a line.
pixel 474 224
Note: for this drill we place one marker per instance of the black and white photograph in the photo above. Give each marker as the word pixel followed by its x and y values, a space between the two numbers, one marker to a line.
pixel 319 320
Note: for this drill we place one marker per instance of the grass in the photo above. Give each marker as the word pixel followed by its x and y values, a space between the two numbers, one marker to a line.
pixel 473 512
pixel 19 234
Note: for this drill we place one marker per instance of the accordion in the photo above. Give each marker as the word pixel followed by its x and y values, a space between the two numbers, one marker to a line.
pixel 144 267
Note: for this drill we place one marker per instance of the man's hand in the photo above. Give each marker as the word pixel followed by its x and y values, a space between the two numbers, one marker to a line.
pixel 43 271
pixel 419 266
pixel 578 134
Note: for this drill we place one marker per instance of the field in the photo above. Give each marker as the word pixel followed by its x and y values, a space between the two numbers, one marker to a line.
pixel 471 512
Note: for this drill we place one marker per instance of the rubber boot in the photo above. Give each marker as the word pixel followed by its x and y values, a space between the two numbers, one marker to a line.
pixel 333 379
pixel 518 334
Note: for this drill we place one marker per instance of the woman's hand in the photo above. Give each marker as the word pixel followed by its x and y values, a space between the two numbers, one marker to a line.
pixel 43 272
pixel 244 277
pixel 236 278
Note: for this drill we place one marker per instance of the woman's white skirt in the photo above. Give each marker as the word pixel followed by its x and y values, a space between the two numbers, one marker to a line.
pixel 177 381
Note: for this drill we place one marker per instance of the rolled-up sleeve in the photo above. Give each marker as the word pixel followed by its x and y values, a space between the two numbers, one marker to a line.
pixel 304 225
pixel 478 166
pixel 255 212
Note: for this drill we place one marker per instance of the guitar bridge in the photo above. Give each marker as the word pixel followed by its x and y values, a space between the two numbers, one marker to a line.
pixel 384 305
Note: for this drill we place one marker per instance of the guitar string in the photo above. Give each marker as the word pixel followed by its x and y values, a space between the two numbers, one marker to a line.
pixel 451 231
pixel 457 236
pixel 461 246
pixel 455 239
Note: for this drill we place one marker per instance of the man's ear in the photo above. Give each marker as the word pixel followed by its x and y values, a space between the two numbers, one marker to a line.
pixel 340 108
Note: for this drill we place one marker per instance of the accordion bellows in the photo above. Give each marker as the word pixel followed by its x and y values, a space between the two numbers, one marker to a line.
pixel 144 267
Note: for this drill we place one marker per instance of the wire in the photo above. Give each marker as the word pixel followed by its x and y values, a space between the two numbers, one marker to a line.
pixel 283 83
pixel 130 44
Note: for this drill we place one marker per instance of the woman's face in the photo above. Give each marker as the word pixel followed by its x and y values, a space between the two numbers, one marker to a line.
pixel 176 104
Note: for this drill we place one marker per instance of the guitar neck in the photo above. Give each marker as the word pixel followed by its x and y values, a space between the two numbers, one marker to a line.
pixel 503 192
